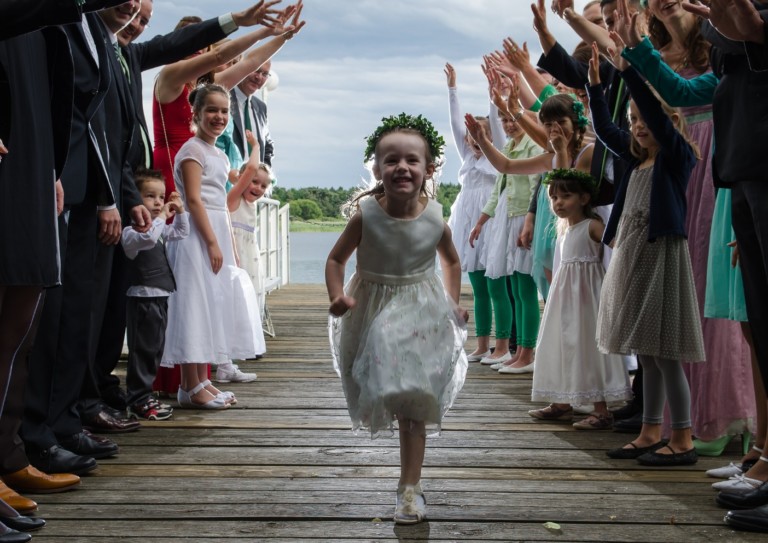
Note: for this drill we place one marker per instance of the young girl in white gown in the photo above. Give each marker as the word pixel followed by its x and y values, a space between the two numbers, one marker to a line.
pixel 570 370
pixel 213 315
pixel 396 331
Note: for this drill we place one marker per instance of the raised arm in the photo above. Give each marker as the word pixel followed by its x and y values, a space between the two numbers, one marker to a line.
pixel 454 112
pixel 537 164
pixel 614 138
pixel 244 180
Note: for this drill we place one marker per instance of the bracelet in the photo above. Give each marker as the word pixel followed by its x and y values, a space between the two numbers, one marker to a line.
pixel 517 116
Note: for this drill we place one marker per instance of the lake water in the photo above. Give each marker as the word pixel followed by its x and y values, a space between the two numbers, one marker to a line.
pixel 309 251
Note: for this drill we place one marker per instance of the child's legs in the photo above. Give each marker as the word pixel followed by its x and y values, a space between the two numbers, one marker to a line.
pixel 413 443
pixel 502 311
pixel 653 391
pixel 146 319
pixel 483 308
pixel 526 309
pixel 665 382
pixel 513 320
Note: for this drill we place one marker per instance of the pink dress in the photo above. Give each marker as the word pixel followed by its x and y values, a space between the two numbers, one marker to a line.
pixel 722 397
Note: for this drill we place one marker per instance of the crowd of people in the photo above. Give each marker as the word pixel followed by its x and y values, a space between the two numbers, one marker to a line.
pixel 622 184
pixel 117 234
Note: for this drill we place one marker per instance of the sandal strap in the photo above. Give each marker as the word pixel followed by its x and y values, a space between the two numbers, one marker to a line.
pixel 195 390
pixel 756 448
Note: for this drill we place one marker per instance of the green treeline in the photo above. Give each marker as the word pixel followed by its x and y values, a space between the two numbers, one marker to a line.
pixel 314 203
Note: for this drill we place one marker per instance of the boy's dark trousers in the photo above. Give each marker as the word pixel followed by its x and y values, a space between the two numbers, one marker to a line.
pixel 147 319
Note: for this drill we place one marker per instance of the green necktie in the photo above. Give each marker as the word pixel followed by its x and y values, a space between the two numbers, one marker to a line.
pixel 247 122
pixel 122 61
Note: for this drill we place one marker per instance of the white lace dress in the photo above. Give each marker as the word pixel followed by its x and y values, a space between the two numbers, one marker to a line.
pixel 212 318
pixel 569 366
pixel 400 350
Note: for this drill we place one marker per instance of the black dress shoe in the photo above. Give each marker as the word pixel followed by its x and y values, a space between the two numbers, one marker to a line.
pixel 115 398
pixel 749 500
pixel 632 425
pixel 59 460
pixel 754 520
pixel 105 423
pixel 22 523
pixel 15 537
pixel 85 444
pixel 629 410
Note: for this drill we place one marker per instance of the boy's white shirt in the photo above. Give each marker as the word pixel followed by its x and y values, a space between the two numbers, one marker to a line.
pixel 134 242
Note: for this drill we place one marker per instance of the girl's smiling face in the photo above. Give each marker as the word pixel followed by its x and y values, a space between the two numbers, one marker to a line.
pixel 212 119
pixel 401 164
pixel 258 187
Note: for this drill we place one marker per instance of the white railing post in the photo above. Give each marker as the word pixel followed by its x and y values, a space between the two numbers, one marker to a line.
pixel 273 231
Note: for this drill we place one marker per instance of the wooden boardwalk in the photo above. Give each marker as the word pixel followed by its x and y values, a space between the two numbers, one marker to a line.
pixel 283 466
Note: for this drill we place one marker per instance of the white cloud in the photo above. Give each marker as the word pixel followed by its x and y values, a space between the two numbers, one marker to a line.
pixel 357 61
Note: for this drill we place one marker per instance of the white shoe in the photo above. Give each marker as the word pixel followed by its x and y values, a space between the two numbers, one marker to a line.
pixel 232 374
pixel 478 357
pixel 488 361
pixel 524 369
pixel 725 472
pixel 411 506
pixel 738 484
pixel 499 365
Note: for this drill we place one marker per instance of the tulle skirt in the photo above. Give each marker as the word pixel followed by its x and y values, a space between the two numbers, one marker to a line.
pixel 399 353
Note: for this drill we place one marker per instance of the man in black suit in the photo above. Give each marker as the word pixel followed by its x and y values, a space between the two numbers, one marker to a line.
pixel 250 113
pixel 137 58
pixel 739 57
pixel 35 122
pixel 51 429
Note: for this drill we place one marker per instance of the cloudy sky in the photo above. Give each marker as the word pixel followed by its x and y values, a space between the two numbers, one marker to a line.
pixel 359 60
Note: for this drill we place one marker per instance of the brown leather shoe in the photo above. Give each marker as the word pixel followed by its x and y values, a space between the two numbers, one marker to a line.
pixel 33 481
pixel 104 423
pixel 20 503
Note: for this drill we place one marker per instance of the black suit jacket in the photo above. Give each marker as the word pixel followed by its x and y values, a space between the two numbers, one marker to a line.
pixel 739 108
pixel 259 109
pixel 159 51
pixel 86 168
pixel 574 74
pixel 18 17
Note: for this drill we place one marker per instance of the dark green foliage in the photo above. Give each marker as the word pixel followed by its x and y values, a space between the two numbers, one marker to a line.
pixel 330 200
pixel 306 210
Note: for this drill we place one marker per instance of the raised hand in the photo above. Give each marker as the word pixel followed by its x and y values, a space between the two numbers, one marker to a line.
pixel 625 25
pixel 296 23
pixel 594 66
pixel 517 57
pixel 557 140
pixel 540 17
pixel 615 52
pixel 341 305
pixel 474 128
pixel 175 204
pixel 737 20
pixel 261 13
pixel 559 6
pixel 450 75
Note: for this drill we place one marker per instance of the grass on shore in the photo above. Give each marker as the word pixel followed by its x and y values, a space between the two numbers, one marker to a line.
pixel 319 225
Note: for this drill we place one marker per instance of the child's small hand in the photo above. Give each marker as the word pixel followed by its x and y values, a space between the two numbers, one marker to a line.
pixel 175 203
pixel 341 305
pixel 474 234
pixel 250 137
pixel 526 233
pixel 615 52
pixel 215 256
pixel 594 66
pixel 557 140
pixel 166 212
pixel 474 128
pixel 461 314
pixel 450 75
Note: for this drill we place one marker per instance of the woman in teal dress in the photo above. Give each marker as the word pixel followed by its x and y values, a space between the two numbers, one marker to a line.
pixel 723 412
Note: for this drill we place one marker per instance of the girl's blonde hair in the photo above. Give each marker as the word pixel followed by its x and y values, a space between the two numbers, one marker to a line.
pixel 680 124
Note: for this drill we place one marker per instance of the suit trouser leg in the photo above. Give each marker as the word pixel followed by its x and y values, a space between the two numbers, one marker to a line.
pixel 147 320
pixel 750 223
pixel 71 362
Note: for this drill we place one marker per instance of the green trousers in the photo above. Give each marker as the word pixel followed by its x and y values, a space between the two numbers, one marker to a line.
pixel 527 312
pixel 491 297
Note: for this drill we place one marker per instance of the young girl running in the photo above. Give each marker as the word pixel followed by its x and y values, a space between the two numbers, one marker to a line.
pixel 565 124
pixel 648 304
pixel 213 315
pixel 569 368
pixel 476 177
pixel 396 332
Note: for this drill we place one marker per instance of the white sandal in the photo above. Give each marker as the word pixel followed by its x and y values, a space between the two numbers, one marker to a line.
pixel 185 399
pixel 411 505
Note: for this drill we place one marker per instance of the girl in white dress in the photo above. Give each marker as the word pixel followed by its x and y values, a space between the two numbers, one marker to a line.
pixel 570 370
pixel 396 332
pixel 213 315
pixel 254 181
pixel 476 177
